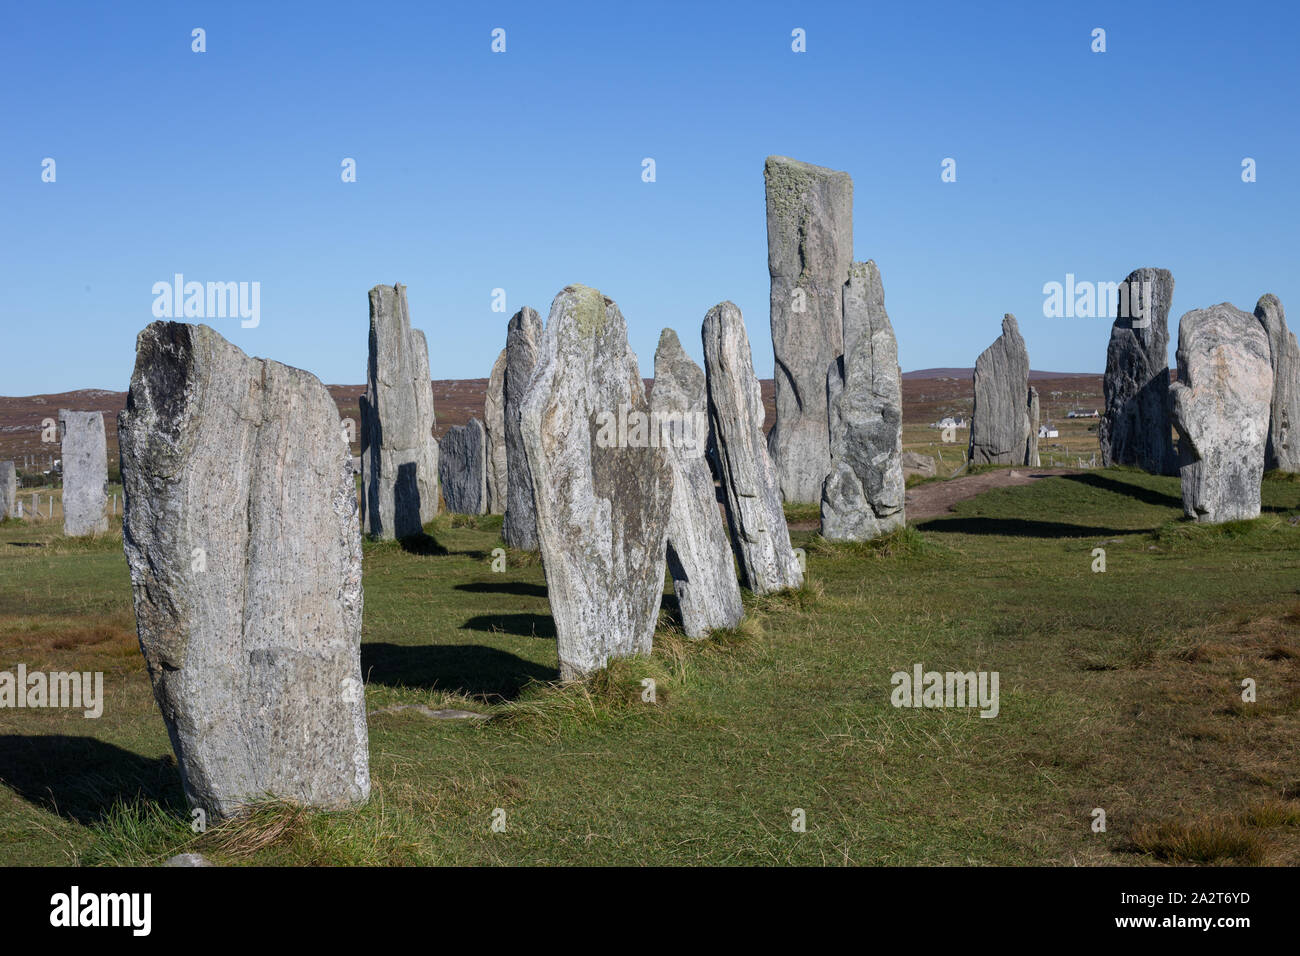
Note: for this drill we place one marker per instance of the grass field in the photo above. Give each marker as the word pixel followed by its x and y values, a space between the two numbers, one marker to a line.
pixel 1119 690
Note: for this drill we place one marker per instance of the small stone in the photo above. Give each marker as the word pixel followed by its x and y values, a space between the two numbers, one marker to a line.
pixel 188 859
pixel 523 339
pixel 85 472
pixel 700 563
pixel 494 425
pixel 602 500
pixel 759 534
pixel 1221 405
pixel 462 468
pixel 8 488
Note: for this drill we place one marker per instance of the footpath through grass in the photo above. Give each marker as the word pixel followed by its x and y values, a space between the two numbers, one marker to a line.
pixel 1118 690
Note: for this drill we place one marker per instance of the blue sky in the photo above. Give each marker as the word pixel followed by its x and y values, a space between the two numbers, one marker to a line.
pixel 522 170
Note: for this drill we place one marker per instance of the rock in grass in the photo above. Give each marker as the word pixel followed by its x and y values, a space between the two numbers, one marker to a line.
pixel 699 556
pixel 915 463
pixel 494 428
pixel 759 535
pixel 8 488
pixel 188 859
pixel 399 465
pixel 1283 447
pixel 999 427
pixel 809 250
pixel 523 340
pixel 602 501
pixel 462 469
pixel 85 472
pixel 1135 429
pixel 1220 407
pixel 241 536
pixel 862 497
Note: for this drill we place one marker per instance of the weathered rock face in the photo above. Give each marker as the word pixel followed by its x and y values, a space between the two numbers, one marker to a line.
pixel 85 472
pixel 462 469
pixel 1135 429
pixel 602 506
pixel 426 472
pixel 759 534
pixel 999 427
pixel 918 464
pixel 399 464
pixel 8 488
pixel 241 534
pixel 809 250
pixel 1283 447
pixel 523 341
pixel 862 497
pixel 1031 446
pixel 494 428
pixel 1220 406
pixel 699 555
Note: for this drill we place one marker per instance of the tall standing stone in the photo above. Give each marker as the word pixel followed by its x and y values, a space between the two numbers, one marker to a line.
pixel 1135 429
pixel 759 534
pixel 462 469
pixel 1031 446
pixel 1220 406
pixel 999 427
pixel 241 535
pixel 862 497
pixel 85 472
pixel 1283 448
pixel 699 556
pixel 426 472
pixel 399 466
pixel 494 427
pixel 523 342
pixel 8 488
pixel 809 251
pixel 602 503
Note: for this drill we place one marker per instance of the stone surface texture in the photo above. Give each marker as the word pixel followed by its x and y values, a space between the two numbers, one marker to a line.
pixel 84 456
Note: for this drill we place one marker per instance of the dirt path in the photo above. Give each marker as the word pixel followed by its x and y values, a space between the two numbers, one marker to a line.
pixel 937 498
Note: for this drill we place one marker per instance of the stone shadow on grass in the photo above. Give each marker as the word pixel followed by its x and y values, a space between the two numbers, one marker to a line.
pixel 81 778
pixel 1148 495
pixel 1021 528
pixel 422 544
pixel 471 669
pixel 524 625
pixel 522 588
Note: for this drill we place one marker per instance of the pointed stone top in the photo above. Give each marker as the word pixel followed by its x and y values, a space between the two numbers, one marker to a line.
pixel 678 382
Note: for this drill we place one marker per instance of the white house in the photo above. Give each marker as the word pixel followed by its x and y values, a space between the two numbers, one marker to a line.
pixel 1047 431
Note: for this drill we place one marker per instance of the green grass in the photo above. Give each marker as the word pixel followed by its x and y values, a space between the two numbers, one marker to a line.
pixel 1119 690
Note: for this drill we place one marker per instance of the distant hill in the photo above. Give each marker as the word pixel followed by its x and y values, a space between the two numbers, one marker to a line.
pixel 968 373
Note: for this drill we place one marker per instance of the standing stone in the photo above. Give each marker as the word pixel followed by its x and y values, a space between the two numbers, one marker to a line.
pixel 8 488
pixel 602 501
pixel 1283 448
pixel 494 426
pixel 426 472
pixel 759 534
pixel 1221 407
pixel 462 469
pixel 523 341
pixel 999 427
pixel 1031 446
pixel 809 250
pixel 699 556
pixel 241 535
pixel 85 472
pixel 862 497
pixel 399 465
pixel 1135 429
